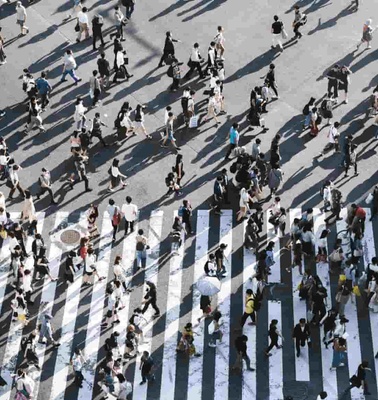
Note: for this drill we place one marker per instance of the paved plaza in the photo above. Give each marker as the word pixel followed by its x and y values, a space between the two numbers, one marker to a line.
pixel 330 37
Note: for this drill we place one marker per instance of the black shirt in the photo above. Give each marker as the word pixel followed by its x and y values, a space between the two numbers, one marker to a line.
pixel 241 346
pixel 147 365
pixel 150 295
pixel 277 27
pixel 103 66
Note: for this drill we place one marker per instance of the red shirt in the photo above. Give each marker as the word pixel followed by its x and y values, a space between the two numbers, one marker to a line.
pixel 360 212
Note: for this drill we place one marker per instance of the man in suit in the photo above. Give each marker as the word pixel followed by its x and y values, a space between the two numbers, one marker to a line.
pixel 301 334
pixel 169 48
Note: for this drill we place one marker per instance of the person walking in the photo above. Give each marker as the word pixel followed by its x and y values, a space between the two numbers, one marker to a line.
pixel 83 21
pixel 120 23
pixel 344 80
pixel 175 72
pixel 77 362
pixel 14 182
pixel 185 213
pixel 277 28
pixel 322 395
pixel 359 379
pixel 333 140
pixel 96 130
pixel 241 351
pixel 21 15
pixel 351 160
pixel 97 24
pixel 114 215
pixel 179 168
pixel 130 214
pixel 194 62
pixel 214 329
pixel 271 79
pixel 339 353
pixel 249 308
pixel 139 121
pixel 333 82
pixel 301 334
pixel 274 334
pixel 367 34
pixel 150 299
pixel 335 205
pixel 34 117
pixel 44 88
pixel 129 5
pixel 147 368
pixel 169 134
pixel 299 20
pixel 82 173
pixel 46 331
pixel 211 58
pixel 141 249
pixel 103 66
pixel 307 112
pixel 30 354
pixel 234 140
pixel 169 49
pixel 69 66
pixel 94 88
pixel 116 176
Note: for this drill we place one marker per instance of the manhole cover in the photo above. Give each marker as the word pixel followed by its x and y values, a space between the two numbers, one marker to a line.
pixel 70 236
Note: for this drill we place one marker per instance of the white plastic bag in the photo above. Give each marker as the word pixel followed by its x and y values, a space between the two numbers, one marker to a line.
pixel 369 199
pixel 284 34
pixel 211 327
pixel 193 122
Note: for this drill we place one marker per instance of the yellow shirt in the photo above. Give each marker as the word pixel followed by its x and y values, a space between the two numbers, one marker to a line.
pixel 249 304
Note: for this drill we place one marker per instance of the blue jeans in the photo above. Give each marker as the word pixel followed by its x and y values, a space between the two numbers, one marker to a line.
pixel 70 72
pixel 338 358
pixel 307 120
pixel 141 258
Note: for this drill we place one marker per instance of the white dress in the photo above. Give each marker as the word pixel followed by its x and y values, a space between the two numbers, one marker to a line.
pixel 28 210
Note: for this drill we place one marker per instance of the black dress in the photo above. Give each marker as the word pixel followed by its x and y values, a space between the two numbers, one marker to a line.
pixel 68 272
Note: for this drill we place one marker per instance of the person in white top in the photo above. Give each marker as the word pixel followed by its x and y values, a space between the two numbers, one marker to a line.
pixel 15 182
pixel 21 18
pixel 90 267
pixel 212 110
pixel 194 62
pixel 130 212
pixel 120 21
pixel 219 41
pixel 69 66
pixel 245 198
pixel 28 209
pixel 116 176
pixel 333 140
pixel 79 115
pixel 2 201
pixel 83 21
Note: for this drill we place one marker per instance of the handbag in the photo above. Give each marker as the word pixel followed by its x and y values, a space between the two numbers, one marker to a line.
pixel 369 199
pixel 357 253
pixel 284 34
pixel 190 63
pixel 77 27
pixel 211 327
pixel 193 122
pixel 116 219
pixel 338 297
pixel 355 381
pixel 336 256
pixel 356 291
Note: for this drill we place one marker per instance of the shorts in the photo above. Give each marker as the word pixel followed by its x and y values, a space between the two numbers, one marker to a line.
pixel 88 273
pixel 21 23
pixel 139 124
pixel 170 136
pixel 109 313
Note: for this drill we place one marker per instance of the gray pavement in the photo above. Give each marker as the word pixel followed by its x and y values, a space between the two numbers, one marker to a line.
pixel 330 37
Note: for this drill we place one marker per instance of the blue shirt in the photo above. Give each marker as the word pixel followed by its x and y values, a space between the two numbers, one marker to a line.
pixel 43 86
pixel 234 136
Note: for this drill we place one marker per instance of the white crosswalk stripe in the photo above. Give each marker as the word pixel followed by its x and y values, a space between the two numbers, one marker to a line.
pixel 170 384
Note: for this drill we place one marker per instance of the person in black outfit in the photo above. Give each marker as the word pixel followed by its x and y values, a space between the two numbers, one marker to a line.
pixel 274 334
pixel 82 172
pixel 219 258
pixel 97 129
pixel 359 379
pixel 169 48
pixel 271 79
pixel 146 367
pixel 301 334
pixel 20 235
pixel 241 349
pixel 129 5
pixel 117 46
pixel 318 307
pixel 225 181
pixel 150 299
pixel 335 205
pixel 186 214
pixel 30 350
pixel 104 70
pixel 97 23
pixel 333 82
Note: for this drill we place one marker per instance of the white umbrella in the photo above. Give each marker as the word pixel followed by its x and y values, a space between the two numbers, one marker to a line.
pixel 208 286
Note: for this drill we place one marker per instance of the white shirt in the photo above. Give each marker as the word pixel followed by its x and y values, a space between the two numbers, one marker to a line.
pixel 119 15
pixel 265 92
pixel 79 112
pixel 13 242
pixel 26 282
pixel 333 134
pixel 212 55
pixel 21 13
pixel 82 17
pixel 244 198
pixel 120 59
pixel 90 263
pixel 13 176
pixel 69 62
pixel 117 269
pixel 194 55
pixel 129 211
pixel 115 172
pixel 110 209
pixel 111 301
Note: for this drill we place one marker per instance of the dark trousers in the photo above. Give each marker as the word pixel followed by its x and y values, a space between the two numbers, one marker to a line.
pixel 175 84
pixel 115 229
pixel 79 378
pixel 164 57
pixel 296 30
pixel 44 100
pixel 188 225
pixel 96 96
pixel 127 225
pixel 333 88
pixel 366 389
pixel 273 86
pixel 98 135
pixel 86 181
pixel 245 316
pixel 43 190
pixel 95 36
pixel 19 188
pixel 335 213
pixel 22 245
pixel 230 148
pixel 196 65
pixel 273 342
pixel 300 342
pixel 151 302
pixel 129 10
pixel 348 165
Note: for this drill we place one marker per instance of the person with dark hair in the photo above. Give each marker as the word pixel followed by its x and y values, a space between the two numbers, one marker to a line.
pixel 69 66
pixel 277 28
pixel 83 22
pixel 301 334
pixel 130 213
pixel 169 49
pixel 299 20
pixel 30 354
pixel 211 58
pixel 94 88
pixel 195 62
pixel 97 23
pixel 359 379
pixel 249 310
pixel 150 299
pixel 77 362
pixel 241 351
pixel 141 249
pixel 42 265
pixel 234 140
pixel 274 334
pixel 271 79
pixel 322 395
pixel 44 88
pixel 333 82
pixel 147 368
pixel 116 176
pixel 45 184
pixel 103 66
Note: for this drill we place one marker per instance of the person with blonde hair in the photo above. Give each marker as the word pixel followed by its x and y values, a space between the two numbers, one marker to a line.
pixel 367 34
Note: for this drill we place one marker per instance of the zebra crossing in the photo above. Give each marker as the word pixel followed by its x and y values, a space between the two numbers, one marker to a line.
pixel 79 311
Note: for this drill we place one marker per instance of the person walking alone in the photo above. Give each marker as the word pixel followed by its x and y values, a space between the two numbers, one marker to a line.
pixel 130 213
pixel 150 299
pixel 169 132
pixel 234 140
pixel 274 334
pixel 277 28
pixel 301 334
pixel 169 49
pixel 44 88
pixel 147 368
pixel 83 21
pixel 21 18
pixel 241 351
pixel 97 23
pixel 249 310
pixel 69 66
pixel 195 62
pixel 359 378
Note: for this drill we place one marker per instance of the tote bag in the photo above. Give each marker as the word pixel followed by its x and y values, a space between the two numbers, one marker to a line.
pixel 193 122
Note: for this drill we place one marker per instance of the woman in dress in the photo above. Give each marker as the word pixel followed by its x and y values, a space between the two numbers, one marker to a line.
pixel 69 271
pixel 179 168
pixel 28 209
pixel 139 121
pixel 245 198
pixel 116 176
pixel 367 34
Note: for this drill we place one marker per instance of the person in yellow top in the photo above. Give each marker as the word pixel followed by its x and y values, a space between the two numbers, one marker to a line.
pixel 186 344
pixel 249 310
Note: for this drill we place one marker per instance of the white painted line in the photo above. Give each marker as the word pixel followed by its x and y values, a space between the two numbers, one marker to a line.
pixel 249 271
pixel 196 363
pixel 152 267
pixel 329 377
pixel 302 368
pixel 222 352
pixel 92 341
pixel 168 377
pixel 275 361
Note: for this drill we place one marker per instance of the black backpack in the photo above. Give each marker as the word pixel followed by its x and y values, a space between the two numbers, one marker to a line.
pixel 306 109
pixel 168 181
pixel 170 71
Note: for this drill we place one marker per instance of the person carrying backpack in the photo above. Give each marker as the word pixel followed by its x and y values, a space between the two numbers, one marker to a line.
pixel 249 310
